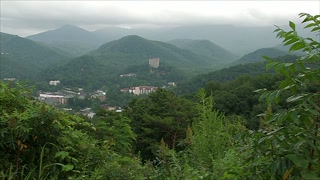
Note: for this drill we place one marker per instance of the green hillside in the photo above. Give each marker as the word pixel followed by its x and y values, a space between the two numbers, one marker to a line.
pixel 194 84
pixel 10 68
pixel 92 72
pixel 82 71
pixel 72 40
pixel 205 48
pixel 22 54
pixel 256 56
pixel 66 33
pixel 104 65
pixel 134 49
pixel 73 49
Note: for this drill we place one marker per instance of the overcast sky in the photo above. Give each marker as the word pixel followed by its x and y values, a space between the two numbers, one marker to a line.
pixel 30 17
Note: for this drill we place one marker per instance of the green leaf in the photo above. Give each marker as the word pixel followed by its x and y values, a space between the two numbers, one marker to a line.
pixel 261 140
pixel 286 84
pixel 309 175
pixel 307 19
pixel 277 98
pixel 315 29
pixel 260 90
pixel 315 106
pixel 67 167
pixel 270 65
pixel 294 98
pixel 310 25
pixel 293 40
pixel 274 131
pixel 302 14
pixel 61 154
pixel 272 97
pixel 280 34
pixel 297 46
pixel 264 95
pixel 294 116
pixel 314 112
pixel 292 25
pixel 298 160
pixel 278 29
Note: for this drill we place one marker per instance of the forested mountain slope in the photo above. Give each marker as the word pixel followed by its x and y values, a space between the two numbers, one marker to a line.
pixel 70 39
pixel 227 74
pixel 205 48
pixel 105 64
pixel 133 49
pixel 256 56
pixel 66 33
pixel 24 56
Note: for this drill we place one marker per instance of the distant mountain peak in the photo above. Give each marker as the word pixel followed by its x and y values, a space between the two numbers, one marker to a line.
pixel 69 27
pixel 66 33
pixel 132 37
pixel 132 43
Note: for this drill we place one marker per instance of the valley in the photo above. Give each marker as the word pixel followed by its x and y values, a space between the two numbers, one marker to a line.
pixel 52 55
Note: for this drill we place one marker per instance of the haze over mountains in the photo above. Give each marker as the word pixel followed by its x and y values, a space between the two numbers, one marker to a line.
pixel 113 58
pixel 205 48
pixel 83 58
pixel 71 39
pixel 238 40
pixel 135 47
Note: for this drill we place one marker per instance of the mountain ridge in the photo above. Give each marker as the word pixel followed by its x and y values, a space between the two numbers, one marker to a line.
pixel 134 45
pixel 111 59
pixel 29 54
pixel 227 36
pixel 66 33
pixel 205 47
pixel 256 56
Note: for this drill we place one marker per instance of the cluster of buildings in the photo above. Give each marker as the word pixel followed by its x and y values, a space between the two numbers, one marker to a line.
pixel 87 112
pixel 128 75
pixel 101 95
pixel 61 97
pixel 9 79
pixel 54 98
pixel 54 83
pixel 140 90
pixel 153 63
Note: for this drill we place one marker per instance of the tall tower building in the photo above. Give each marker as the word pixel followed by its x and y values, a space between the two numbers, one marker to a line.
pixel 154 62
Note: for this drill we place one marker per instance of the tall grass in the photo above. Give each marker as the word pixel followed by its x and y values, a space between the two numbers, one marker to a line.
pixel 28 173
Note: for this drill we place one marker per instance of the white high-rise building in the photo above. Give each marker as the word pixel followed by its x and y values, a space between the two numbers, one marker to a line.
pixel 154 62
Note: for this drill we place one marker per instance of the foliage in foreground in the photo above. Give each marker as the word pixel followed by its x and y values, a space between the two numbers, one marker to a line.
pixel 286 145
pixel 41 142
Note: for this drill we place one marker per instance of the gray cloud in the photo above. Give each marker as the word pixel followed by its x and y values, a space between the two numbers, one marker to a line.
pixel 29 17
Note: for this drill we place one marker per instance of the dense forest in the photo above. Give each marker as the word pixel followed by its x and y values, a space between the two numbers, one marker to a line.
pixel 254 126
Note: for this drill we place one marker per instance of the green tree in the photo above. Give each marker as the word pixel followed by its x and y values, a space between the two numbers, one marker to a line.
pixel 114 131
pixel 211 152
pixel 160 115
pixel 213 137
pixel 33 136
pixel 288 146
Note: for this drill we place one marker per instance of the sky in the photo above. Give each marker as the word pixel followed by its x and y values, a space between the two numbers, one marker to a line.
pixel 25 18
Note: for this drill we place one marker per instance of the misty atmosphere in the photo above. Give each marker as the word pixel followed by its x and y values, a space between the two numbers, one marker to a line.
pixel 160 90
